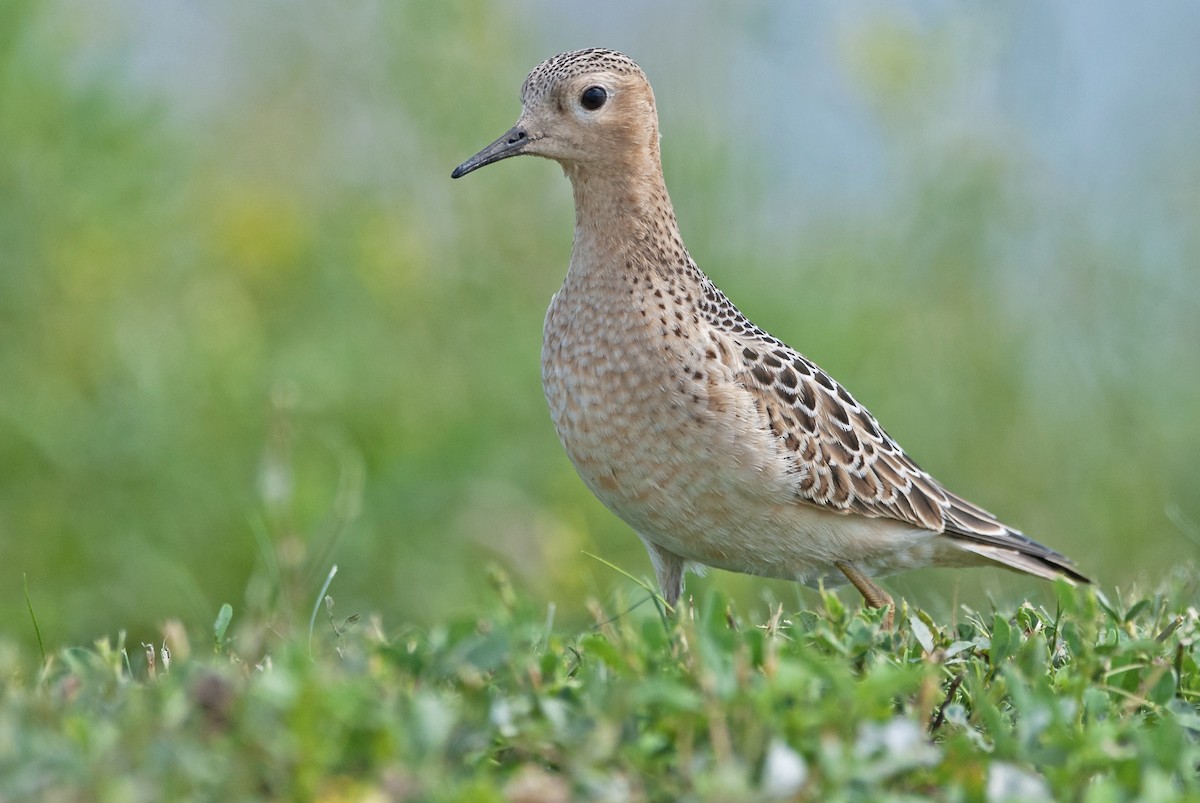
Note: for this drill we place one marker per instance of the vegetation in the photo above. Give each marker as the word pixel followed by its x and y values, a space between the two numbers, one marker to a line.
pixel 1093 700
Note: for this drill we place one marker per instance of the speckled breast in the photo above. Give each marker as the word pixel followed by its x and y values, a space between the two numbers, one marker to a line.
pixel 652 421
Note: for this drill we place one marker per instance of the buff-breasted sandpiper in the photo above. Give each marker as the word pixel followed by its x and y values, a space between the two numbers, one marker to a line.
pixel 716 442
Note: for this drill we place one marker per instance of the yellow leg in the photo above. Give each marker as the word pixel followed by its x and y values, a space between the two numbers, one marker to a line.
pixel 874 596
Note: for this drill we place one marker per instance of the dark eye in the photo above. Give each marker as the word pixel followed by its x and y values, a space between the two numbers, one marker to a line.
pixel 593 98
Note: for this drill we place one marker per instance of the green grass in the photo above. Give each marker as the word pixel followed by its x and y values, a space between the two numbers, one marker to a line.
pixel 1093 700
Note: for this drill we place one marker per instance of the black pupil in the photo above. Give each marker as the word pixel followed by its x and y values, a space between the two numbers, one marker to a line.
pixel 593 98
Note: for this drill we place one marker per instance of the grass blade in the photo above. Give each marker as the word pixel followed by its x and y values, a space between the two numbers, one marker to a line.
pixel 33 618
pixel 312 620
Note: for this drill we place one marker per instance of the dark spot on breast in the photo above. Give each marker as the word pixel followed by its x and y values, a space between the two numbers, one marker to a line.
pixel 789 397
pixel 824 380
pixel 802 367
pixel 771 362
pixel 839 413
pixel 750 354
pixel 761 374
pixel 845 396
pixel 787 378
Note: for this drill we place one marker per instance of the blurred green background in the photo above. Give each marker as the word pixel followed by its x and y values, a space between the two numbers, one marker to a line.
pixel 249 327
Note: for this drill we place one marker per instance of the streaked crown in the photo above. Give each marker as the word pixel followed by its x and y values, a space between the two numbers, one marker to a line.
pixel 576 62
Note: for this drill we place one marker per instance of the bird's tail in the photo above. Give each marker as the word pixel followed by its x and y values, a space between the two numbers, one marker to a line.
pixel 1015 551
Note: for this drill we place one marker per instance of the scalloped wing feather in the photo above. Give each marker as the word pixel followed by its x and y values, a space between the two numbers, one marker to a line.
pixel 845 461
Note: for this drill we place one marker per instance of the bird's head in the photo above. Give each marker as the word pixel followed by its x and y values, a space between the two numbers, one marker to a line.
pixel 585 109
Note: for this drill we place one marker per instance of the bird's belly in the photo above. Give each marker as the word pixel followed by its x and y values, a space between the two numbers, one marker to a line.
pixel 677 449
